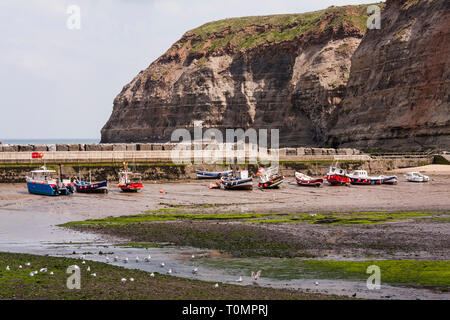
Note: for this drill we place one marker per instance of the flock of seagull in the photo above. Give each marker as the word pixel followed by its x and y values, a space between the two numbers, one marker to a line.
pixel 254 275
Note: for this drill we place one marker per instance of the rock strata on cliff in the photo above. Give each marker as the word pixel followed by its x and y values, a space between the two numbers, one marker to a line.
pixel 318 77
pixel 397 97
pixel 283 71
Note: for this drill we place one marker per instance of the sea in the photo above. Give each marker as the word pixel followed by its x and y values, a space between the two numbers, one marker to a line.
pixel 49 141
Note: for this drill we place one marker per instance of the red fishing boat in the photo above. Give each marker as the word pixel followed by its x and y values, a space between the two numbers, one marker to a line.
pixel 304 180
pixel 130 181
pixel 337 176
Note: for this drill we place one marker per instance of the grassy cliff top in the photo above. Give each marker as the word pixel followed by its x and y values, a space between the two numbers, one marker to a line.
pixel 248 32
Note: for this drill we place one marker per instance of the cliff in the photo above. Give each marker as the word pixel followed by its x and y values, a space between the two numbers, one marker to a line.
pixel 397 96
pixel 306 74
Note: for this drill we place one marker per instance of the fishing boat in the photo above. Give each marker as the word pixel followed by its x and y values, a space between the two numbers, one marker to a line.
pixel 360 177
pixel 129 181
pixel 416 177
pixel 304 180
pixel 42 182
pixel 390 179
pixel 91 187
pixel 269 178
pixel 241 182
pixel 337 176
pixel 213 175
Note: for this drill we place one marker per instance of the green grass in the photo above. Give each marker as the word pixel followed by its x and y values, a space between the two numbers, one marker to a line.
pixel 395 272
pixel 17 284
pixel 172 214
pixel 248 32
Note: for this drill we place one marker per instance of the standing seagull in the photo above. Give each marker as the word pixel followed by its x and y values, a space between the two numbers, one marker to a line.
pixel 240 279
pixel 162 264
pixel 152 275
pixel 148 258
pixel 107 260
pixel 216 285
pixel 8 268
pixel 195 271
pixel 116 258
pixel 255 276
pixel 125 260
pixel 137 259
pixel 170 271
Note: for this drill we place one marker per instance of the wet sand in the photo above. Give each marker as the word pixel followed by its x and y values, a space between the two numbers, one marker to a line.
pixel 406 196
pixel 28 221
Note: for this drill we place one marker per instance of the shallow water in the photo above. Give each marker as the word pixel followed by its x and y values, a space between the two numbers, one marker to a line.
pixel 35 232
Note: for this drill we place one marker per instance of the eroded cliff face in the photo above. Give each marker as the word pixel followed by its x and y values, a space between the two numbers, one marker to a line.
pixel 284 72
pixel 308 75
pixel 397 97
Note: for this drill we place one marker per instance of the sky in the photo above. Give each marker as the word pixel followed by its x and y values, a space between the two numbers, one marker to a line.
pixel 60 82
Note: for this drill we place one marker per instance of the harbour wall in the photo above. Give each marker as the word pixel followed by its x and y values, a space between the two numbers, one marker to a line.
pixel 157 165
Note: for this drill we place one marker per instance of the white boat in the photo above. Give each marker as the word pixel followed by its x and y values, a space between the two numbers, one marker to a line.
pixel 361 177
pixel 416 177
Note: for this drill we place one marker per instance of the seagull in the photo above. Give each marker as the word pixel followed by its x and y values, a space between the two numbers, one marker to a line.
pixel 216 285
pixel 88 269
pixel 313 214
pixel 240 279
pixel 123 280
pixel 148 258
pixel 51 273
pixel 170 271
pixel 256 276
pixel 162 264
pixel 94 275
pixel 316 283
pixel 31 274
pixel 193 256
pixel 83 257
pixel 84 262
pixel 132 279
pixel 195 271
pixel 20 267
pixel 116 258
pixel 137 259
pixel 125 260
pixel 152 275
pixel 107 260
pixel 28 264
pixel 7 268
pixel 43 270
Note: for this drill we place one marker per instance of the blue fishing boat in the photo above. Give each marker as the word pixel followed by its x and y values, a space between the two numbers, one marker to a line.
pixel 41 182
pixel 213 175
pixel 91 187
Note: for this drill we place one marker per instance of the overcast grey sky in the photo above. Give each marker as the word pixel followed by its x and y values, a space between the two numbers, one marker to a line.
pixel 60 83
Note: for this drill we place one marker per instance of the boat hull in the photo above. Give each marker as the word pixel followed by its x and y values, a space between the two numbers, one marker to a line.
pixel 309 183
pixel 47 189
pixel 131 187
pixel 272 184
pixel 212 175
pixel 97 187
pixel 390 180
pixel 337 179
pixel 366 181
pixel 238 184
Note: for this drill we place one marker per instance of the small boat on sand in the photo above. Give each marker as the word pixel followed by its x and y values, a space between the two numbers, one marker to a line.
pixel 129 181
pixel 269 178
pixel 304 180
pixel 360 177
pixel 91 187
pixel 242 182
pixel 337 176
pixel 213 175
pixel 41 182
pixel 416 177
